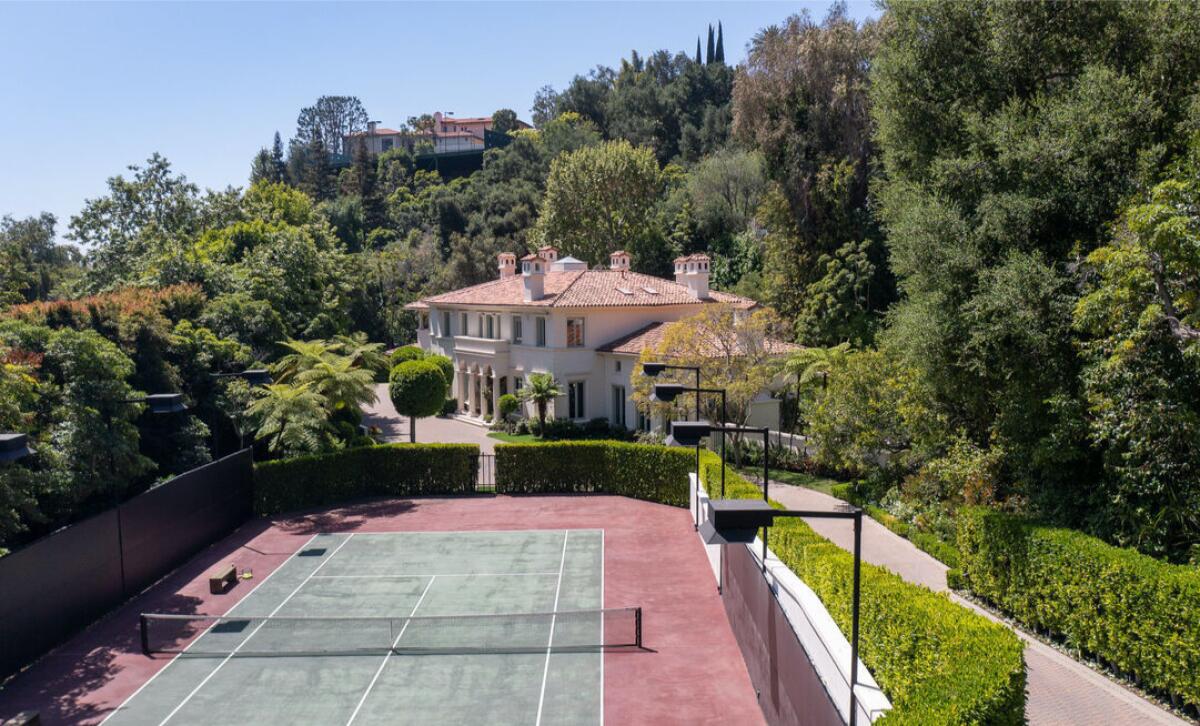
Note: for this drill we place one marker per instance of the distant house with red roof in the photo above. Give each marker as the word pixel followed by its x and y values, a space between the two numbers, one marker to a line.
pixel 447 135
pixel 587 327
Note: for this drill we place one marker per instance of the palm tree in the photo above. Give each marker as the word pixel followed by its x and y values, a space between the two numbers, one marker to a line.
pixel 813 364
pixel 340 380
pixel 364 354
pixel 291 419
pixel 542 389
pixel 305 355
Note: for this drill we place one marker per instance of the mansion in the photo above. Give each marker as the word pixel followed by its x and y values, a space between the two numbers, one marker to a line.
pixel 586 327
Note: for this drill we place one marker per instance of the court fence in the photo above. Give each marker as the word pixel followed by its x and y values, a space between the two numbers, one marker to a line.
pixel 59 584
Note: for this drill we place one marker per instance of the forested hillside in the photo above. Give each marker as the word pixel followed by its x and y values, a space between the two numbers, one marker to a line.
pixel 980 219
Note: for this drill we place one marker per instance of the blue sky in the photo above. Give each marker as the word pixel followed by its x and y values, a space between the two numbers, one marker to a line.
pixel 90 88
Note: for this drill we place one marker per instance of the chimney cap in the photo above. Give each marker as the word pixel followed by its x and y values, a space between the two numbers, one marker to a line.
pixel 530 256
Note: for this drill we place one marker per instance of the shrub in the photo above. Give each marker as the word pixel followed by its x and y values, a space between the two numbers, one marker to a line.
pixel 1138 614
pixel 445 365
pixel 639 471
pixel 939 663
pixel 450 406
pixel 405 353
pixel 508 405
pixel 399 470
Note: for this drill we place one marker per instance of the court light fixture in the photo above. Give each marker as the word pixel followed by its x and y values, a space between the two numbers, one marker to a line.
pixel 737 521
pixel 14 446
pixel 160 403
pixel 253 376
pixel 688 433
pixel 653 369
pixel 667 392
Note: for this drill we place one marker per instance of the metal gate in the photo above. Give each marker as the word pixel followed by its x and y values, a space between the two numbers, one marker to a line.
pixel 485 477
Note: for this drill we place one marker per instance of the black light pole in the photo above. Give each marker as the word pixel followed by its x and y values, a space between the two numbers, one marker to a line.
pixel 737 521
pixel 653 369
pixel 766 434
pixel 158 403
pixel 253 377
pixel 667 392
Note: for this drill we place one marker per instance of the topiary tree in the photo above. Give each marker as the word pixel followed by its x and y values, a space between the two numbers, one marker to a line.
pixel 406 353
pixel 417 389
pixel 508 405
pixel 447 367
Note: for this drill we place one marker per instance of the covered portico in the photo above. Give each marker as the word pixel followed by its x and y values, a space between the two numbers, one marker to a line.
pixel 478 387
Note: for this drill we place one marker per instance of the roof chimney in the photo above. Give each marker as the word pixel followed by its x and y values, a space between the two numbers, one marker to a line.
pixel 533 275
pixel 692 271
pixel 371 126
pixel 547 253
pixel 508 264
pixel 619 260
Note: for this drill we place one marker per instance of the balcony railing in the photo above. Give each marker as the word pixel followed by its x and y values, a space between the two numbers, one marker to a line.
pixel 480 346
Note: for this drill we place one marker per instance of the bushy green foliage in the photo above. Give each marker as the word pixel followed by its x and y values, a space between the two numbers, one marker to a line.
pixel 508 405
pixel 418 389
pixel 640 471
pixel 405 353
pixel 390 470
pixel 1138 614
pixel 939 663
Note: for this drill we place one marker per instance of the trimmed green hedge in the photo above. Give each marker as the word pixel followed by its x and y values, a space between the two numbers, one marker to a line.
pixel 1139 614
pixel 639 471
pixel 939 663
pixel 373 471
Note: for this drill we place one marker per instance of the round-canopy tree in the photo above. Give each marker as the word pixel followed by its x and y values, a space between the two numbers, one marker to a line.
pixel 417 389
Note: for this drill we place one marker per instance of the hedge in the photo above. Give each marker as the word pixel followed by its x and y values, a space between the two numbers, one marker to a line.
pixel 371 471
pixel 1138 614
pixel 638 471
pixel 939 663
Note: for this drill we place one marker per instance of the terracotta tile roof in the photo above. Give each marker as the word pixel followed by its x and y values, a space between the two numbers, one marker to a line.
pixel 585 288
pixel 652 336
pixel 469 120
pixel 416 305
pixel 378 132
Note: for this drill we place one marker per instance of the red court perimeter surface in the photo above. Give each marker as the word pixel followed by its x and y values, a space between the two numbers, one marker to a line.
pixel 652 558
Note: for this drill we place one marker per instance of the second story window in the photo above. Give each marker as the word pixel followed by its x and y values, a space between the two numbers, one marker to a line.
pixel 491 326
pixel 575 333
pixel 445 322
pixel 462 328
pixel 424 321
pixel 541 332
pixel 516 329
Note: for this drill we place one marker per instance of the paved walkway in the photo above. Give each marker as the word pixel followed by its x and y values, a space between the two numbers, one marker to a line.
pixel 1060 690
pixel 432 430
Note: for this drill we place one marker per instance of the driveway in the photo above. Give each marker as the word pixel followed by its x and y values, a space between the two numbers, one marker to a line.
pixel 1060 689
pixel 432 430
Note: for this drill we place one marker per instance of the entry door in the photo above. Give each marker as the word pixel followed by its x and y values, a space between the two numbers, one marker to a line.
pixel 618 406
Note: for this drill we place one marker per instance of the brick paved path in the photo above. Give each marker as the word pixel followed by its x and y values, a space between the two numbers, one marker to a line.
pixel 1060 690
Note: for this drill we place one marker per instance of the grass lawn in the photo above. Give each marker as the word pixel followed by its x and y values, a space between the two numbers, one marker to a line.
pixel 515 438
pixel 818 483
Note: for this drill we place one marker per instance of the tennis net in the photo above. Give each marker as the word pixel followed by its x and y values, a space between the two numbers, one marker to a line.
pixel 573 630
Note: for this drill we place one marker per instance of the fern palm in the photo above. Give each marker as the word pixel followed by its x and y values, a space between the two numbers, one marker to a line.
pixel 541 390
pixel 305 354
pixel 291 419
pixel 364 353
pixel 340 380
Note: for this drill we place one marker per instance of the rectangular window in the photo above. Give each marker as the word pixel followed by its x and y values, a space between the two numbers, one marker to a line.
pixel 575 333
pixel 618 366
pixel 424 321
pixel 643 421
pixel 575 399
pixel 462 328
pixel 387 144
pixel 541 332
pixel 491 326
pixel 516 329
pixel 618 406
pixel 446 322
pixel 518 383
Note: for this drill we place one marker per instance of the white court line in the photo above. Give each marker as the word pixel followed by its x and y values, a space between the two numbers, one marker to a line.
pixel 395 642
pixel 253 632
pixel 602 627
pixel 440 574
pixel 257 585
pixel 562 563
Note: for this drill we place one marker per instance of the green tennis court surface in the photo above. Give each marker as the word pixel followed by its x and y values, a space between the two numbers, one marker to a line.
pixel 411 627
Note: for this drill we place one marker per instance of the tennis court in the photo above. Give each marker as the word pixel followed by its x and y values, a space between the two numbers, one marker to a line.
pixel 400 627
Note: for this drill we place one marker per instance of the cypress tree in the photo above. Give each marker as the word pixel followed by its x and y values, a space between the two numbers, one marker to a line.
pixel 720 55
pixel 698 60
pixel 277 162
pixel 708 58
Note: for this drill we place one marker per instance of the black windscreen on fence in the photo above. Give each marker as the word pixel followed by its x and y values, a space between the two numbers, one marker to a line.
pixel 60 583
